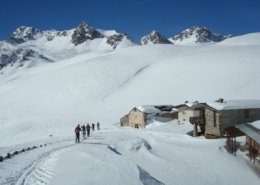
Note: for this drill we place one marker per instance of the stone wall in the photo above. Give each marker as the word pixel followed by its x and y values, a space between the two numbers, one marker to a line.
pixel 137 117
pixel 210 128
pixel 230 118
pixel 124 121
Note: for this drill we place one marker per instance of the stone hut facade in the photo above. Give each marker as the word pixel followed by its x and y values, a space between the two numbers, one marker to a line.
pixel 124 121
pixel 215 116
pixel 139 116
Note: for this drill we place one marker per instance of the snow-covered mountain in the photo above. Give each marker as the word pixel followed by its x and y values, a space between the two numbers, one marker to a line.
pixel 154 38
pixel 17 56
pixel 92 82
pixel 76 36
pixel 197 34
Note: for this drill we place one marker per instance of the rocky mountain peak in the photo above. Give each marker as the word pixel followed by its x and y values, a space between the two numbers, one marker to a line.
pixel 84 32
pixel 116 39
pixel 154 38
pixel 24 34
pixel 198 34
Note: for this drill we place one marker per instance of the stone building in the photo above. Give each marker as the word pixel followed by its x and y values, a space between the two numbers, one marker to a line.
pixel 184 113
pixel 139 116
pixel 216 115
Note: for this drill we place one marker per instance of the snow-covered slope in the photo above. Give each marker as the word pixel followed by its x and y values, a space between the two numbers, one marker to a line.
pixel 244 40
pixel 13 56
pixel 104 85
pixel 197 34
pixel 154 38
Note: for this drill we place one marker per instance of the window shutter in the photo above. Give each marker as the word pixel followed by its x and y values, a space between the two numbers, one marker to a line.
pixel 246 113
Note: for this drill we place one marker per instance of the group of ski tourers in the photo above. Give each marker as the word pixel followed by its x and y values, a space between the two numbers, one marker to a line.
pixel 84 128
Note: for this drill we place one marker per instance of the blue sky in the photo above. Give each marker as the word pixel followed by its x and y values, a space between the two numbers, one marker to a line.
pixel 135 17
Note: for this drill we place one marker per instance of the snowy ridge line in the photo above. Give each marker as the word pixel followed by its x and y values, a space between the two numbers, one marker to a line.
pixel 9 155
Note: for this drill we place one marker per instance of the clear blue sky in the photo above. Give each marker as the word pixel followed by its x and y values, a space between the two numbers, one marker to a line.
pixel 135 17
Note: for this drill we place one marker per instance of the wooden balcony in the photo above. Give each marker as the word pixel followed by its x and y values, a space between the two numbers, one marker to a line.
pixel 197 120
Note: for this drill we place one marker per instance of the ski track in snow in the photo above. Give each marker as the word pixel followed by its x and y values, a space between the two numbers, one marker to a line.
pixel 38 171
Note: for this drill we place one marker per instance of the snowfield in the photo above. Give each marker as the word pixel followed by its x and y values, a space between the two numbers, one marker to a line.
pixel 91 82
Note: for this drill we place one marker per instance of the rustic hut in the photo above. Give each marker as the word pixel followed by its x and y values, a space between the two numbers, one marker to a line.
pixel 216 115
pixel 139 116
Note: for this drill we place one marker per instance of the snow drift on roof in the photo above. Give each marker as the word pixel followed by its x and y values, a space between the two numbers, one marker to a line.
pixel 150 109
pixel 235 104
pixel 255 124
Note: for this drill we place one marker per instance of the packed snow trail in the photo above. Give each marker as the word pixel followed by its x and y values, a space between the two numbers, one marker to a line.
pixel 162 154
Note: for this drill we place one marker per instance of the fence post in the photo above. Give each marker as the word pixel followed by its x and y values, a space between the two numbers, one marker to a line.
pixel 1 158
pixel 22 150
pixel 40 145
pixel 29 148
pixel 45 145
pixel 34 147
pixel 16 152
pixel 8 155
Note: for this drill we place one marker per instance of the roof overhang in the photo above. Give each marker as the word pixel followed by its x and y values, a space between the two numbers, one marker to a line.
pixel 201 106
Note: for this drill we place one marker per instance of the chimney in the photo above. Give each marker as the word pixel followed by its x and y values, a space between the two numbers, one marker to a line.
pixel 196 102
pixel 220 100
pixel 186 102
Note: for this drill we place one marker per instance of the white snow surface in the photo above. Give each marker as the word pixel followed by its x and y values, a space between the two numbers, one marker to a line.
pixel 235 104
pixel 244 40
pixel 256 124
pixel 86 85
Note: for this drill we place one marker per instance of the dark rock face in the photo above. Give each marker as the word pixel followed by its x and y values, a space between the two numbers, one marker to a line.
pixel 155 38
pixel 114 40
pixel 84 32
pixel 201 34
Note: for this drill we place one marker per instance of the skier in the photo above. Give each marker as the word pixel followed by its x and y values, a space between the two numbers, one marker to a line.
pixel 93 126
pixel 88 129
pixel 77 130
pixel 98 125
pixel 84 131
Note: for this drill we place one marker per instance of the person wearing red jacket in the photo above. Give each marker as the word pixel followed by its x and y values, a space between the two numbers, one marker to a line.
pixel 77 131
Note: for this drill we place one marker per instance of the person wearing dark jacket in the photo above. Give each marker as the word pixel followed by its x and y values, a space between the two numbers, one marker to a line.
pixel 88 129
pixel 93 127
pixel 77 131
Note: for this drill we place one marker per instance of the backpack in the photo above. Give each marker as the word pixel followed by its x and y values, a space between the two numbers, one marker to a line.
pixel 77 129
pixel 83 128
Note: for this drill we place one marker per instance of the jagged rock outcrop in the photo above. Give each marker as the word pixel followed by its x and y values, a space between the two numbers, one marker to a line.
pixel 84 32
pixel 9 55
pixel 24 34
pixel 154 38
pixel 198 34
pixel 75 36
pixel 116 39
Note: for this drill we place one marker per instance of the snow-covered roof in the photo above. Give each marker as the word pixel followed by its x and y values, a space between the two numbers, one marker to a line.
pixel 153 109
pixel 255 124
pixel 234 104
pixel 251 132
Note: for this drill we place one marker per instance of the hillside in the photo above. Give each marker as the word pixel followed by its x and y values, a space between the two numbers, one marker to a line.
pixel 103 85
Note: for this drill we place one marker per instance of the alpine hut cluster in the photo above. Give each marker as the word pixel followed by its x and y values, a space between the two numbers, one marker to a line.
pixel 208 119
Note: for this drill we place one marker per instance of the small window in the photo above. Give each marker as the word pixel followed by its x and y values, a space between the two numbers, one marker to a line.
pixel 246 114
